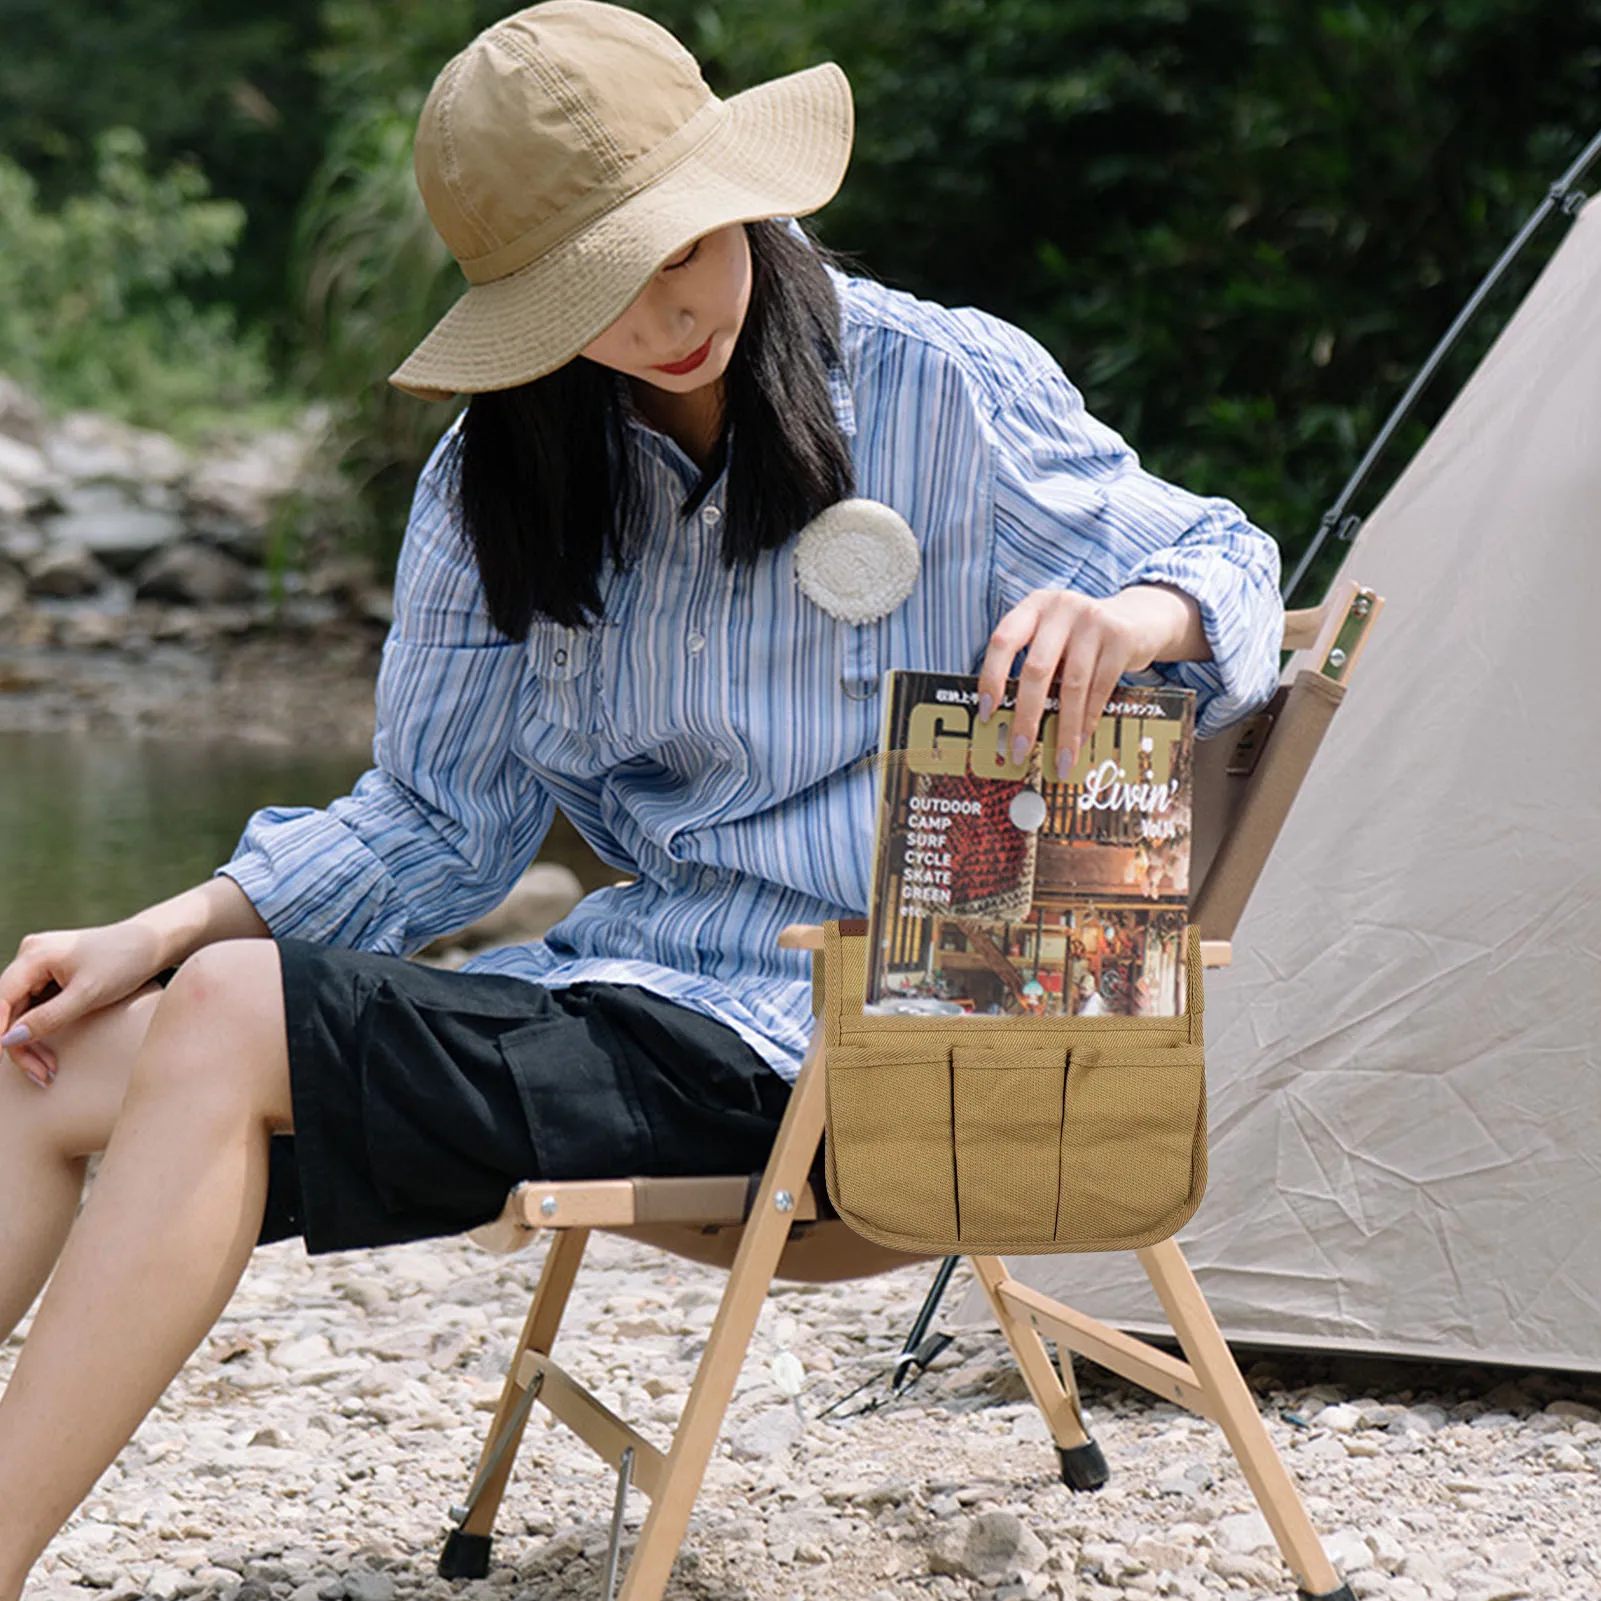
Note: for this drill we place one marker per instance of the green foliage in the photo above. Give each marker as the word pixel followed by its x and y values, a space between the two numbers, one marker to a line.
pixel 371 276
pixel 1240 225
pixel 374 277
pixel 385 56
pixel 94 303
pixel 229 87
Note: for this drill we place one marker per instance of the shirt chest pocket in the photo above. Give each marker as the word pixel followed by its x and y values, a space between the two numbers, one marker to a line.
pixel 564 676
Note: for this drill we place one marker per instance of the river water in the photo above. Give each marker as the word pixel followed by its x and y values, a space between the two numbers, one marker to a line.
pixel 92 829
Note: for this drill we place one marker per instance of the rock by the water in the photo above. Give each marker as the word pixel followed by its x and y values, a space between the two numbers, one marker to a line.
pixel 231 497
pixel 194 575
pixel 28 484
pixel 20 543
pixel 90 448
pixel 21 416
pixel 105 519
pixel 13 503
pixel 65 572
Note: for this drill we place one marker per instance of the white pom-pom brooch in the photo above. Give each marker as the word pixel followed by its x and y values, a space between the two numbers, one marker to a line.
pixel 858 560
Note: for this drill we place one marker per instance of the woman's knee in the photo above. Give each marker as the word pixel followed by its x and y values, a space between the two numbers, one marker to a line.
pixel 218 1031
pixel 77 1111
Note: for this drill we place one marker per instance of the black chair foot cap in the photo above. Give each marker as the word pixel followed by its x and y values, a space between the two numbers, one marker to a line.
pixel 1083 1466
pixel 466 1556
pixel 1342 1594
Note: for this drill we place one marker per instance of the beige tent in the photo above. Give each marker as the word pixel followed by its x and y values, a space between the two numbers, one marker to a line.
pixel 1405 1059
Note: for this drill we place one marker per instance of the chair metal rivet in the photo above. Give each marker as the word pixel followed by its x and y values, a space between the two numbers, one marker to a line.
pixel 784 1201
pixel 547 1207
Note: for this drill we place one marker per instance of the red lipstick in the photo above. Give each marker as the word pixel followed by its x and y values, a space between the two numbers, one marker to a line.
pixel 689 363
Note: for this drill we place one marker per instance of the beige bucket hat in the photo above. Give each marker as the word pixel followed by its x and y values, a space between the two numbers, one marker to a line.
pixel 568 152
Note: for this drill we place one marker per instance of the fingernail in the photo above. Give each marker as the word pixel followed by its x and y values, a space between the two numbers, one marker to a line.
pixel 43 1084
pixel 1065 758
pixel 1019 750
pixel 19 1035
pixel 986 705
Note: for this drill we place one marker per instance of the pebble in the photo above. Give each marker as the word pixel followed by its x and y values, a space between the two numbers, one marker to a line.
pixel 1341 1418
pixel 1244 1532
pixel 1417 1420
pixel 1184 1478
pixel 994 1545
pixel 365 1586
pixel 311 1450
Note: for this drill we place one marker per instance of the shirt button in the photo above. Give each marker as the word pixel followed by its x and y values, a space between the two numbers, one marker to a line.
pixel 712 515
pixel 560 658
pixel 696 644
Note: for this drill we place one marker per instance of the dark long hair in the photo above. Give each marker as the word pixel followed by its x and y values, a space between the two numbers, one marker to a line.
pixel 542 475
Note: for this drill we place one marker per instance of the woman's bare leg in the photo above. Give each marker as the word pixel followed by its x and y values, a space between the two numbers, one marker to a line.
pixel 46 1137
pixel 167 1231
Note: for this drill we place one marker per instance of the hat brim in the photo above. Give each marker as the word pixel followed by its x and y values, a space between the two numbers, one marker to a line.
pixel 779 150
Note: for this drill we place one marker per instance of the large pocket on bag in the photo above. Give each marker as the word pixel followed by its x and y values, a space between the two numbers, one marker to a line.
pixel 1129 1140
pixel 1008 1107
pixel 890 1133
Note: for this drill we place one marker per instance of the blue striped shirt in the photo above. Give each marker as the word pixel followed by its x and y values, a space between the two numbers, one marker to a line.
pixel 708 737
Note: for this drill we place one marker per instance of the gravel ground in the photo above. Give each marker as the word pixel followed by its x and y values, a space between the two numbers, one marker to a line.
pixel 310 1449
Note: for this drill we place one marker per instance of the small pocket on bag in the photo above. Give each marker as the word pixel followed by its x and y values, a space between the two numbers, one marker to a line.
pixel 1008 1142
pixel 890 1133
pixel 1129 1140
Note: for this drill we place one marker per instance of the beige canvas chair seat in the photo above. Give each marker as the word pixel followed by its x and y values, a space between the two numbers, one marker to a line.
pixel 776 1224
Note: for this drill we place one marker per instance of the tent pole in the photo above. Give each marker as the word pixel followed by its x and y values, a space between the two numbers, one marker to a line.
pixel 1561 195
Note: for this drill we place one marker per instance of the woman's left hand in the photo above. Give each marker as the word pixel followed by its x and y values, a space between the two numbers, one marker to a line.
pixel 1082 646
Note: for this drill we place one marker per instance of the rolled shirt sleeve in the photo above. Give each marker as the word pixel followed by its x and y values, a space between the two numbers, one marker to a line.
pixel 1075 510
pixel 449 816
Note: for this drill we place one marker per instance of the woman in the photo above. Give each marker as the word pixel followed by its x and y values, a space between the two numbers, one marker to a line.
pixel 597 609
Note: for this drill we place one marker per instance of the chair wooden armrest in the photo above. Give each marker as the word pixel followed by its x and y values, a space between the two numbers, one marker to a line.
pixel 1334 633
pixel 1301 628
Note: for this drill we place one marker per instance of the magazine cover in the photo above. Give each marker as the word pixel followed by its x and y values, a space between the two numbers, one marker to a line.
pixel 999 889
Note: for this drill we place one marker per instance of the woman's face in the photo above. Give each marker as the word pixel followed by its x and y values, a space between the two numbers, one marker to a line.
pixel 679 333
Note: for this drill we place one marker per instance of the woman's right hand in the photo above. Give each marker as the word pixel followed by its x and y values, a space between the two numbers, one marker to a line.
pixel 59 977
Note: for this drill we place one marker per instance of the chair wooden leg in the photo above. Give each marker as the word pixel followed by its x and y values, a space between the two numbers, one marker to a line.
pixel 1231 1403
pixel 467 1548
pixel 729 1340
pixel 1054 1392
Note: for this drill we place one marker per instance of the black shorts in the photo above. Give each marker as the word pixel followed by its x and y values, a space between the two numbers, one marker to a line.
pixel 421 1096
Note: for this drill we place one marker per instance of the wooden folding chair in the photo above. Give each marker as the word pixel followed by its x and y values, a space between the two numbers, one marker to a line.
pixel 1245 783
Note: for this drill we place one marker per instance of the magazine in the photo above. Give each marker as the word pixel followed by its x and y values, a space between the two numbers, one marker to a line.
pixel 999 889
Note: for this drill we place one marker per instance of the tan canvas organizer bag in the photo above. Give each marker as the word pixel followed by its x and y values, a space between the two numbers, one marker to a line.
pixel 1006 1135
